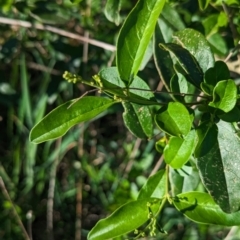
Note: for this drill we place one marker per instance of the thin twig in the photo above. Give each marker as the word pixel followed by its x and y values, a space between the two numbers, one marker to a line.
pixel 29 223
pixel 43 68
pixel 79 187
pixel 19 221
pixel 157 166
pixel 83 95
pixel 231 233
pixel 132 157
pixel 58 31
pixel 230 20
pixel 51 190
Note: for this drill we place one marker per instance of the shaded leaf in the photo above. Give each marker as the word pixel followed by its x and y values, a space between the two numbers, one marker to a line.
pixel 197 45
pixel 172 17
pixel 138 120
pixel 62 118
pixel 124 220
pixel 231 116
pixel 203 4
pixel 138 92
pixel 188 63
pixel 183 180
pixel 162 58
pixel 201 208
pixel 134 37
pixel 111 11
pixel 215 74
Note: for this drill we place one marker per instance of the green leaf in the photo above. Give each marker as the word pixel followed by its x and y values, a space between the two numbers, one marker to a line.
pixel 197 45
pixel 201 208
pixel 215 74
pixel 62 118
pixel 232 116
pixel 219 164
pixel 160 144
pixel 224 95
pixel 155 187
pixel 171 15
pixel 174 119
pixel 111 11
pixel 203 4
pixel 162 59
pixel 134 37
pixel 218 44
pixel 124 220
pixel 147 56
pixel 207 138
pixel 138 92
pixel 178 150
pixel 188 63
pixel 138 119
pixel 183 180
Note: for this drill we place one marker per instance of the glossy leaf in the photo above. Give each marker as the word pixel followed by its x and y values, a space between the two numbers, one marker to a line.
pixel 220 149
pixel 62 118
pixel 111 11
pixel 197 45
pixel 124 220
pixel 155 187
pixel 138 120
pixel 178 150
pixel 188 63
pixel 138 92
pixel 224 95
pixel 134 37
pixel 201 208
pixel 174 119
pixel 161 144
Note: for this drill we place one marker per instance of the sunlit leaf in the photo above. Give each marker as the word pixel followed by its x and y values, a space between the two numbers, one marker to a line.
pixel 155 187
pixel 174 119
pixel 224 95
pixel 219 163
pixel 62 118
pixel 179 150
pixel 134 37
pixel 124 220
pixel 201 208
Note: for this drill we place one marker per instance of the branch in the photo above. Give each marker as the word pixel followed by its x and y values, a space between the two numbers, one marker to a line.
pixel 19 221
pixel 58 31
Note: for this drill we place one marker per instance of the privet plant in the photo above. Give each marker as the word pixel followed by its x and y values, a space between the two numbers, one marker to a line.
pixel 199 134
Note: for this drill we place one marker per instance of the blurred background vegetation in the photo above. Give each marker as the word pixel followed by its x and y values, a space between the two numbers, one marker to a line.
pixel 61 188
